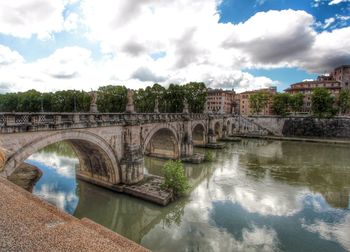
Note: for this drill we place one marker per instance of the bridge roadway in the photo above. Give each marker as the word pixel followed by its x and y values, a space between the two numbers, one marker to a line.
pixel 111 147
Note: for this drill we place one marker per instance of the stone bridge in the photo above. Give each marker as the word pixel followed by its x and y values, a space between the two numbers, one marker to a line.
pixel 111 147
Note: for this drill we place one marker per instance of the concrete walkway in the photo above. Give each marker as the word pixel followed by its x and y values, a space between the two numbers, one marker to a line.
pixel 30 224
pixel 300 139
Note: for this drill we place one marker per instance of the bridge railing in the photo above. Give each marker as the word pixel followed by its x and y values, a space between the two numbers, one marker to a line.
pixel 22 122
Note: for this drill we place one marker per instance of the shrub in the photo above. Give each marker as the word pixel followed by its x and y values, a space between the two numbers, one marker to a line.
pixel 209 156
pixel 175 179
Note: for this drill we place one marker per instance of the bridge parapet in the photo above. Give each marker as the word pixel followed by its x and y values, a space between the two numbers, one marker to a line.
pixel 28 122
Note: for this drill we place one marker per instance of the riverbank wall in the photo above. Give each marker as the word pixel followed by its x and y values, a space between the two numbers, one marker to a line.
pixel 299 126
pixel 31 224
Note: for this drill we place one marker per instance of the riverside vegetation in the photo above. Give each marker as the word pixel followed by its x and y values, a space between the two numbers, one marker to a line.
pixel 175 179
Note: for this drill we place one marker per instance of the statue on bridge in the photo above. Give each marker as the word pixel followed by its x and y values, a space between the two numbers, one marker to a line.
pixel 156 106
pixel 185 109
pixel 130 105
pixel 93 105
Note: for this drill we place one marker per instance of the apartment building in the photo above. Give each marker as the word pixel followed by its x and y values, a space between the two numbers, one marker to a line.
pixel 306 88
pixel 221 101
pixel 342 75
pixel 337 80
pixel 244 104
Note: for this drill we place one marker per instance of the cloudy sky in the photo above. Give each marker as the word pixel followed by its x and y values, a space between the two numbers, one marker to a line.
pixel 240 44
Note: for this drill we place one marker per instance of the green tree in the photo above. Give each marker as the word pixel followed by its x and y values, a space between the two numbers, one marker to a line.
pixel 174 97
pixel 280 104
pixel 258 101
pixel 344 102
pixel 112 99
pixel 174 178
pixel 8 102
pixel 296 102
pixel 322 103
pixel 29 101
pixel 196 95
pixel 145 99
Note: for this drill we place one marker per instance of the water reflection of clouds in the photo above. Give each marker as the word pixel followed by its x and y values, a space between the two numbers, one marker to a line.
pixel 199 231
pixel 62 165
pixel 58 184
pixel 338 232
pixel 198 235
pixel 62 199
pixel 262 196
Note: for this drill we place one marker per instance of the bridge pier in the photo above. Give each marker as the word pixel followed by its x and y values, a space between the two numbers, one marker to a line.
pixel 132 165
pixel 211 136
pixel 132 161
pixel 187 142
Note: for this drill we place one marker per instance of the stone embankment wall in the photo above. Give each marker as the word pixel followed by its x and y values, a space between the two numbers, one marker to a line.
pixel 2 157
pixel 337 127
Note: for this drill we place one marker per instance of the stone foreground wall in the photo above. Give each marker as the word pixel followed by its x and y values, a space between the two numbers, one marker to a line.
pixel 2 157
pixel 337 127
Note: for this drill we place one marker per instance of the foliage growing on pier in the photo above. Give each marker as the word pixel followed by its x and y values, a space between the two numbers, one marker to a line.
pixel 209 156
pixel 175 179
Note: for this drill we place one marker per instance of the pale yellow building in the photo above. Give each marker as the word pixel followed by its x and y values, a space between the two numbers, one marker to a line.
pixel 244 104
pixel 221 101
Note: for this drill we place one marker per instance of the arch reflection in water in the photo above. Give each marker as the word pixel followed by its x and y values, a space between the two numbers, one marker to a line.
pixel 258 195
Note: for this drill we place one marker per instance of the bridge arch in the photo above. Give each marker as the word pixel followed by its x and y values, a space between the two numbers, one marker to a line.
pixel 199 134
pixel 162 141
pixel 97 159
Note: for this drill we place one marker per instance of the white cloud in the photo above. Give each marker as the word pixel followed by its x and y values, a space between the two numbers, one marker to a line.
pixel 24 18
pixel 8 56
pixel 317 3
pixel 328 22
pixel 195 46
pixel 264 39
pixel 330 49
pixel 333 2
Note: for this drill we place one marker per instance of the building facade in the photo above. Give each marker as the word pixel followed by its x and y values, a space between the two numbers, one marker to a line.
pixel 337 80
pixel 244 104
pixel 342 75
pixel 221 101
pixel 307 87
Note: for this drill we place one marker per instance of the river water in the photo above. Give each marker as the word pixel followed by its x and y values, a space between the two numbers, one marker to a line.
pixel 257 195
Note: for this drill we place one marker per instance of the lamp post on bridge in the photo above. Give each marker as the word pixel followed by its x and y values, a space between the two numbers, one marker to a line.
pixel 75 103
pixel 42 104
